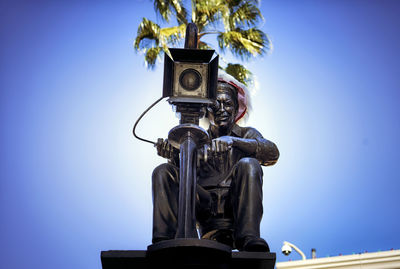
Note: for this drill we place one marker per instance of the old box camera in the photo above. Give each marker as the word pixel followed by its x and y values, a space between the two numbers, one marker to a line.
pixel 190 76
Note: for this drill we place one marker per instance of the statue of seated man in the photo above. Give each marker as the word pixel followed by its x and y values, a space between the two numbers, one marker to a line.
pixel 229 181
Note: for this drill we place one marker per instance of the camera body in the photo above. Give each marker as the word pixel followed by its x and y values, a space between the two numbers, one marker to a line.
pixel 190 76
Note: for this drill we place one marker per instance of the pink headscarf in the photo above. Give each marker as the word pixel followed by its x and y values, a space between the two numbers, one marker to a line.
pixel 242 93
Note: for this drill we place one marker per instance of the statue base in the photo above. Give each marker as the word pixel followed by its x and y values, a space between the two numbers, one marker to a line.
pixel 188 254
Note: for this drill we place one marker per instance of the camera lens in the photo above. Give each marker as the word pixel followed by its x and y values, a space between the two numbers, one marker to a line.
pixel 190 79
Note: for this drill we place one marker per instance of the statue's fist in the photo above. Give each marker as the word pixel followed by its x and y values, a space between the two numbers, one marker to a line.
pixel 221 144
pixel 165 149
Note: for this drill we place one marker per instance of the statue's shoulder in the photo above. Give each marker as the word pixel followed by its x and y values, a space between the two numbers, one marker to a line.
pixel 245 132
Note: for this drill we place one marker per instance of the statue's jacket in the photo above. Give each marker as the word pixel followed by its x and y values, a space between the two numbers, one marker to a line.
pixel 217 170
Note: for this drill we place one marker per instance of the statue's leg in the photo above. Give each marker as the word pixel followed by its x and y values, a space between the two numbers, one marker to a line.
pixel 165 201
pixel 246 199
pixel 214 215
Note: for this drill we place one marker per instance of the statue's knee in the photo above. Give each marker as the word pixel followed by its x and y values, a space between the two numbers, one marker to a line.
pixel 249 170
pixel 163 173
pixel 250 166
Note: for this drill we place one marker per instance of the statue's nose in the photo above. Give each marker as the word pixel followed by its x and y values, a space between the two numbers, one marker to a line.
pixel 221 107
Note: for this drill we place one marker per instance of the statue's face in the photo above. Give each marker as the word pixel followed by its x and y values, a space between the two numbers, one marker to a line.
pixel 223 113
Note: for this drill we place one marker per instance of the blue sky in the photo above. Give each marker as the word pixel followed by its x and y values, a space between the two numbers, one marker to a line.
pixel 74 181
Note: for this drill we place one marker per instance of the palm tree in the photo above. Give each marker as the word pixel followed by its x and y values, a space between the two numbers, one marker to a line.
pixel 232 21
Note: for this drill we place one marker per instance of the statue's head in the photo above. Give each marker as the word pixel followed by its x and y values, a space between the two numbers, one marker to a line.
pixel 232 101
pixel 223 112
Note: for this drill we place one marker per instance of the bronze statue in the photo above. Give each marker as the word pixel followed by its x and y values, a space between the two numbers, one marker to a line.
pixel 229 176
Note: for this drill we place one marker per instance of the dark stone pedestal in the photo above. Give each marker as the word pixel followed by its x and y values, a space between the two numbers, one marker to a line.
pixel 186 254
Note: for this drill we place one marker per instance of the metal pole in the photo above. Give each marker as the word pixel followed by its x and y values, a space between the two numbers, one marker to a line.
pixel 187 189
pixel 187 170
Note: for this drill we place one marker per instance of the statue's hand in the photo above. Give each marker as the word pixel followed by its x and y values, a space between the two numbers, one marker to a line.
pixel 165 149
pixel 222 144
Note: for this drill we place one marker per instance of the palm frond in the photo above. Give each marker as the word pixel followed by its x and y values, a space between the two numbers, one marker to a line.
pixel 148 34
pixel 172 35
pixel 247 14
pixel 153 40
pixel 244 43
pixel 211 11
pixel 180 11
pixel 204 46
pixel 151 56
pixel 163 9
pixel 167 8
pixel 239 72
pixel 235 3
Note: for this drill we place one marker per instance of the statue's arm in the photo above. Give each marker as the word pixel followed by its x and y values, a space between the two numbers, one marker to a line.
pixel 166 150
pixel 253 144
pixel 265 151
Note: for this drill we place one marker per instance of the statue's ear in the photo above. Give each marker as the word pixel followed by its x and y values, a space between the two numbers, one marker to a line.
pixel 236 102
